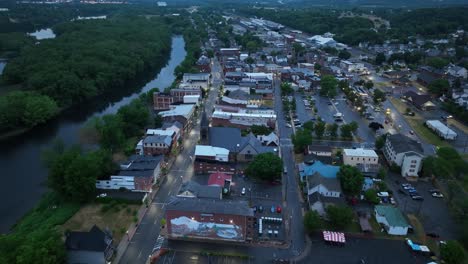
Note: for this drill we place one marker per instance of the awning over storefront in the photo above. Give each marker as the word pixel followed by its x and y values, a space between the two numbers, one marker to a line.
pixel 334 236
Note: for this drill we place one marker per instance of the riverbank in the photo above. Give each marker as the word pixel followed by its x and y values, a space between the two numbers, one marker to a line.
pixel 20 155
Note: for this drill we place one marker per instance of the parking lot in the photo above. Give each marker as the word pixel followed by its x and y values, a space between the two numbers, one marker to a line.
pixel 432 212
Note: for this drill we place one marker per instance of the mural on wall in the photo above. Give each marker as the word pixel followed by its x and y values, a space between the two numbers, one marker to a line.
pixel 185 226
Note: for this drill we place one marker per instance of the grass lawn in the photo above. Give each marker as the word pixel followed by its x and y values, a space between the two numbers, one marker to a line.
pixel 115 217
pixel 268 103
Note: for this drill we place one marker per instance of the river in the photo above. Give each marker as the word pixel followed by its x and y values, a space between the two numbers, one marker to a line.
pixel 22 172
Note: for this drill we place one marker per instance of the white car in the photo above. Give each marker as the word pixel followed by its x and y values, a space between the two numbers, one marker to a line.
pixel 102 195
pixel 243 191
pixel 288 125
pixel 437 195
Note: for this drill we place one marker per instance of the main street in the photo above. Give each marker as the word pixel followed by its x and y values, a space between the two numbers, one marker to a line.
pixel 142 242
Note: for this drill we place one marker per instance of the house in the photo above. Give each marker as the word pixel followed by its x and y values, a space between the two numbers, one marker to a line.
pixel 307 170
pixel 271 140
pixel 137 174
pixel 357 156
pixel 209 153
pixel 392 219
pixel 461 98
pixel 318 202
pixel 209 220
pixel 191 189
pixel 92 247
pixel 329 187
pixel 404 152
pixel 457 71
pixel 250 147
pixel 421 101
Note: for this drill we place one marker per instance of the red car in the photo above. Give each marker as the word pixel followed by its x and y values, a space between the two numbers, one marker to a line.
pixel 278 209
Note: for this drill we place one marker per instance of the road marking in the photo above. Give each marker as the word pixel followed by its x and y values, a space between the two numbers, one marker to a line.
pixel 139 254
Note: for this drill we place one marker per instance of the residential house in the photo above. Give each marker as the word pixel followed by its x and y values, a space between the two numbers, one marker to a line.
pixel 191 189
pixel 307 170
pixel 428 74
pixel 200 79
pixel 461 98
pixel 209 220
pixel 392 219
pixel 92 247
pixel 250 147
pixel 404 152
pixel 421 101
pixel 137 174
pixel 457 71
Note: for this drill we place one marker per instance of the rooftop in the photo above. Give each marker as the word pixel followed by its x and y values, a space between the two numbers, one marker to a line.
pixel 327 171
pixel 392 214
pixel 200 191
pixel 213 206
pixel 360 152
pixel 402 143
pixel 93 240
pixel 179 110
pixel 332 184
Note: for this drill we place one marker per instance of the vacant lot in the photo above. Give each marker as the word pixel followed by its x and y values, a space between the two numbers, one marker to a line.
pixel 113 216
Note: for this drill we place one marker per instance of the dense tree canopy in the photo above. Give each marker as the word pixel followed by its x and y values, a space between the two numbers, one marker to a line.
pixel 312 221
pixel 266 166
pixel 351 180
pixel 25 109
pixel 301 140
pixel 339 216
pixel 452 252
pixel 328 85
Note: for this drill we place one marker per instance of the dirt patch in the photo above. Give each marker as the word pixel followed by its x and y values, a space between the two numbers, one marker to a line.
pixel 114 217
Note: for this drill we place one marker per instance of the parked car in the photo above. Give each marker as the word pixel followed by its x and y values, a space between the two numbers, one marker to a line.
pixel 260 209
pixel 434 191
pixel 408 187
pixel 102 195
pixel 405 184
pixel 414 194
pixel 243 191
pixel 392 201
pixel 329 103
pixel 254 209
pixel 411 132
pixel 278 209
pixel 437 195
pixel 433 235
pixel 288 125
pixel 412 190
pixel 417 198
pixel 273 209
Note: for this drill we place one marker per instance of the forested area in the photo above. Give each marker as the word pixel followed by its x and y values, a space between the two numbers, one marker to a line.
pixel 87 59
pixel 349 30
pixel 427 22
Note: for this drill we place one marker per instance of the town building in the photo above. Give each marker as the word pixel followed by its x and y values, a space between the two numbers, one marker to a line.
pixel 157 144
pixel 191 189
pixel 181 113
pixel 392 219
pixel 357 156
pixel 243 118
pixel 209 220
pixel 209 153
pixel 138 174
pixel 421 101
pixel 441 130
pixel 93 247
pixel 404 152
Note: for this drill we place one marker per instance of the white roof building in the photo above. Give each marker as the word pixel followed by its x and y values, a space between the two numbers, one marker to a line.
pixel 213 153
pixel 160 132
pixel 360 156
pixel 322 41
pixel 185 110
pixel 440 129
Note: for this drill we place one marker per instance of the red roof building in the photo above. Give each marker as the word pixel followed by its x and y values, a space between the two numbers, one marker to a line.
pixel 219 178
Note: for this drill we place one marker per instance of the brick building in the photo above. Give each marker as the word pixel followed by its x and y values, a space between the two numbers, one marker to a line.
pixel 209 219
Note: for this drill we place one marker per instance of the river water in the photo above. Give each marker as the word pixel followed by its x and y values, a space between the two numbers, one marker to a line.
pixel 23 174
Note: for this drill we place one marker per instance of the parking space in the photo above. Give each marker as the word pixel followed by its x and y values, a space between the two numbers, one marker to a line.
pixel 432 211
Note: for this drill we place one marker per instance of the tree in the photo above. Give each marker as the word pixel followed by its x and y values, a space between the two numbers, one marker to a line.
pixel 380 141
pixel 286 88
pixel 328 85
pixel 369 84
pixel 353 126
pixel 375 126
pixel 380 58
pixel 452 252
pixel 265 166
pixel 437 62
pixel 371 196
pixel 346 132
pixel 319 129
pixel 332 129
pixel 309 125
pixel 111 132
pixel 249 60
pixel 439 87
pixel 312 221
pixel 351 180
pixel 260 130
pixel 317 67
pixel 382 173
pixel 344 54
pixel 158 121
pixel 339 216
pixel 301 140
pixel 379 96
